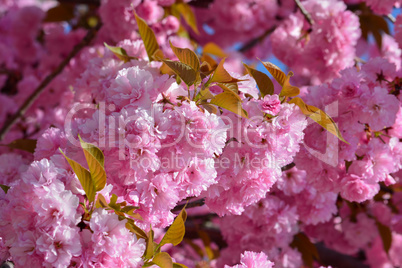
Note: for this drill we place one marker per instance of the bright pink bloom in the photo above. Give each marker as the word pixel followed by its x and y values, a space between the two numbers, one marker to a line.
pixel 270 104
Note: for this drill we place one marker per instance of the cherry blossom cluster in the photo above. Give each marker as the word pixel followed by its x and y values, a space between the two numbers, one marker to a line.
pixel 160 148
pixel 263 184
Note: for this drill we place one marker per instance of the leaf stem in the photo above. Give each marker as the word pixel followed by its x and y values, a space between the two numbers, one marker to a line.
pixel 34 96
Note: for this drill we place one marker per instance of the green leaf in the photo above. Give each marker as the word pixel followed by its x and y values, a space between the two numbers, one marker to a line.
pixel 4 187
pixel 206 240
pixel 214 49
pixel 184 71
pixel 129 209
pixel 147 36
pixel 96 162
pixel 195 247
pixel 308 250
pixel 113 204
pixel 230 101
pixel 275 71
pixel 265 84
pixel 101 202
pixel 179 265
pixel 176 231
pixel 149 250
pixel 287 89
pixel 211 62
pixel 27 145
pixel 221 75
pixel 210 108
pixel 204 94
pixel 120 53
pixel 187 56
pixel 205 69
pixel 84 176
pixel 130 225
pixel 318 116
pixel 386 236
pixel 188 15
pixel 232 86
pixel 163 260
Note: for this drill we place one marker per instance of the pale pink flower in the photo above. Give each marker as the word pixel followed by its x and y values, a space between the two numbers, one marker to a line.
pixel 355 189
pixel 60 245
pixel 253 260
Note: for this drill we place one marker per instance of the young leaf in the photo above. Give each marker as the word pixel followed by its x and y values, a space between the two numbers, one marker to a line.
pixel 84 176
pixel 203 95
pixel 307 249
pixel 276 72
pixel 195 247
pixel 96 161
pixel 101 202
pixel 210 61
pixel 318 116
pixel 4 187
pixel 147 36
pixel 184 71
pixel 206 240
pixel 210 108
pixel 175 233
pixel 179 265
pixel 287 89
pixel 386 235
pixel 120 53
pixel 226 89
pixel 232 86
pixel 187 56
pixel 265 84
pixel 129 209
pixel 214 49
pixel 27 145
pixel 221 75
pixel 130 225
pixel 229 101
pixel 188 15
pixel 163 260
pixel 149 250
pixel 158 55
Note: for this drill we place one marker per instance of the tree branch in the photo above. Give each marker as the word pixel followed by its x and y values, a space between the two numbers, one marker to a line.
pixel 32 98
pixel 81 2
pixel 289 166
pixel 196 203
pixel 304 12
pixel 252 43
pixel 333 258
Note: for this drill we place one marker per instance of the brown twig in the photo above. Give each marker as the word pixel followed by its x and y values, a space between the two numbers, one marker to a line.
pixel 81 2
pixel 196 203
pixel 304 12
pixel 249 45
pixel 32 98
pixel 337 259
pixel 289 166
